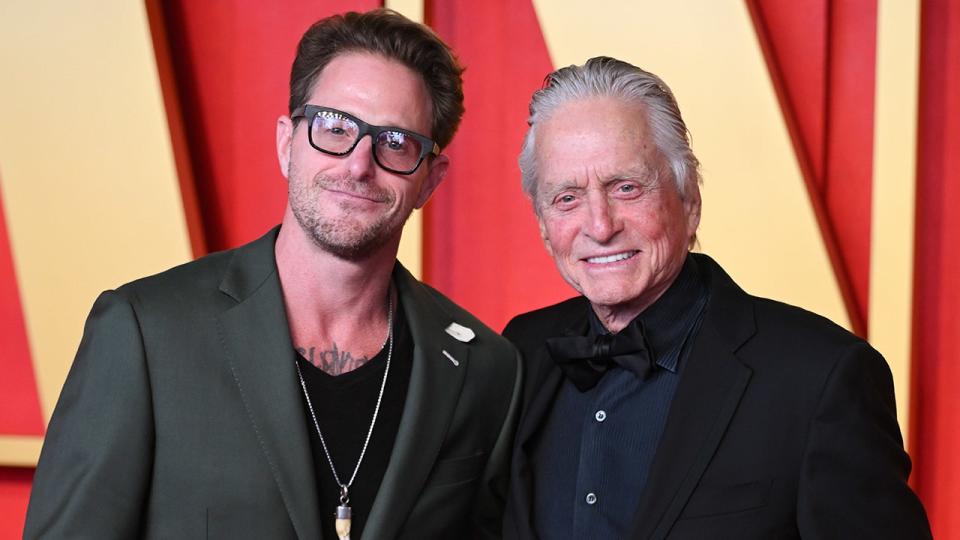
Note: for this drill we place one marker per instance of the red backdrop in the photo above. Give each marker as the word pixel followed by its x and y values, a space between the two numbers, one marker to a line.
pixel 822 56
pixel 935 423
pixel 17 385
pixel 20 413
pixel 481 245
pixel 231 66
pixel 225 65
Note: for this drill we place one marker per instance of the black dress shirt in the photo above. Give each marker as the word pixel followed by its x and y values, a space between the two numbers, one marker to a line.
pixel 592 458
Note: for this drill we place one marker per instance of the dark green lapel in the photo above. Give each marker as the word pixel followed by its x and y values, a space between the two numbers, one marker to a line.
pixel 711 385
pixel 440 364
pixel 256 342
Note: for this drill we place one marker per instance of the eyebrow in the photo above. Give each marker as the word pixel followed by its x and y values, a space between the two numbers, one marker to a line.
pixel 554 189
pixel 644 174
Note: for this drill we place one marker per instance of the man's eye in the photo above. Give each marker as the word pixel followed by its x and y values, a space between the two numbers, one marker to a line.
pixel 566 199
pixel 395 141
pixel 332 124
pixel 628 189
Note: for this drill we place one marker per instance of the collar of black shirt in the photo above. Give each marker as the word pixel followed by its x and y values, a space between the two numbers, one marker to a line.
pixel 670 321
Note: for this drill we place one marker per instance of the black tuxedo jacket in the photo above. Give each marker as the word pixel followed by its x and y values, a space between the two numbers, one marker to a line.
pixel 182 417
pixel 783 426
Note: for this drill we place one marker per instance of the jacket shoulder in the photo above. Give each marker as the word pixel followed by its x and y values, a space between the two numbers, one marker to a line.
pixel 485 336
pixel 767 334
pixel 188 283
pixel 242 268
pixel 756 320
pixel 800 329
pixel 529 330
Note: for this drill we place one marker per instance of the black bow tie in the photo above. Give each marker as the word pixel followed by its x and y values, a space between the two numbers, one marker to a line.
pixel 584 359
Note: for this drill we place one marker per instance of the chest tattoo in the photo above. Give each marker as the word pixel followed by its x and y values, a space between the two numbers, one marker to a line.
pixel 332 360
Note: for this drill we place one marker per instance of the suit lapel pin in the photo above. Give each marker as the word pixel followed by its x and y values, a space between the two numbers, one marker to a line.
pixel 451 358
pixel 460 332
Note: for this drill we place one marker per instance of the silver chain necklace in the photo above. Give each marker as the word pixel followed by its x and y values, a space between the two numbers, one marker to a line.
pixel 344 512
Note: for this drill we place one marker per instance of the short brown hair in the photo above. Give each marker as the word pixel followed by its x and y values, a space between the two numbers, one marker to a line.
pixel 389 34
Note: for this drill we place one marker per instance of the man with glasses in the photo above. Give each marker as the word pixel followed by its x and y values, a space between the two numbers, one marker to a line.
pixel 665 402
pixel 304 384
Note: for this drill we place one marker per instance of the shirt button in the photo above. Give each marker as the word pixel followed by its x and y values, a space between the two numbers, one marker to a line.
pixel 600 416
pixel 591 498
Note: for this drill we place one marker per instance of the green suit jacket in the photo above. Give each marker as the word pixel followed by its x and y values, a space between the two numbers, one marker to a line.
pixel 181 417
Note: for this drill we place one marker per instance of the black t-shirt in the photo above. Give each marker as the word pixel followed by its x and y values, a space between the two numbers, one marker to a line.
pixel 344 407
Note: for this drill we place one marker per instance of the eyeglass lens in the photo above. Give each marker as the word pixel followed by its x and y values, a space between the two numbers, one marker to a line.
pixel 336 133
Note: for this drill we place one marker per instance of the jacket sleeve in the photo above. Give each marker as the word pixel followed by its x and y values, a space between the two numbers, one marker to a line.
pixel 94 470
pixel 495 482
pixel 853 482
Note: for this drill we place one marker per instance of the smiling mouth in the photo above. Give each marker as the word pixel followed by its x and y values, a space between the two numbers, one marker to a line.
pixel 355 195
pixel 616 257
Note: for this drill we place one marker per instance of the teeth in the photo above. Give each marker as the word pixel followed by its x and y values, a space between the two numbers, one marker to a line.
pixel 612 258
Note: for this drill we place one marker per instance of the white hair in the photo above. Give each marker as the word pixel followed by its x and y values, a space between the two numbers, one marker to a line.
pixel 608 77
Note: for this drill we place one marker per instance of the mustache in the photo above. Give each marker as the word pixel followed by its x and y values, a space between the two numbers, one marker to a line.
pixel 348 184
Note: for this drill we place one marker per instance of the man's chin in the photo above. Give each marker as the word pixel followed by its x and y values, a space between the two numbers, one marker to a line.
pixel 349 249
pixel 355 245
pixel 609 297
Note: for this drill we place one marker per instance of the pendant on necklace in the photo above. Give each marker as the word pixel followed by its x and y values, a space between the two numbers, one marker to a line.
pixel 343 522
pixel 344 514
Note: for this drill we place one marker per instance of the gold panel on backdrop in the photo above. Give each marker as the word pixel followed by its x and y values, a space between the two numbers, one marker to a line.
pixel 89 183
pixel 894 191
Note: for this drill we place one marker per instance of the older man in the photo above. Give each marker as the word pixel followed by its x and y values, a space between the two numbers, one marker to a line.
pixel 665 402
pixel 304 385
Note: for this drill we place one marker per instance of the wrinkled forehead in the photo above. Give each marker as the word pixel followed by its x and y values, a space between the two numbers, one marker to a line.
pixel 594 139
pixel 376 89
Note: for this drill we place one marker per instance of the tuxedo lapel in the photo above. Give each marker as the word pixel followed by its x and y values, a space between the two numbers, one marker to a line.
pixel 544 392
pixel 543 381
pixel 256 342
pixel 711 385
pixel 440 364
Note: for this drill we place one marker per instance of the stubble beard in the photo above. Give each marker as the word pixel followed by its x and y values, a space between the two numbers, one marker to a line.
pixel 344 236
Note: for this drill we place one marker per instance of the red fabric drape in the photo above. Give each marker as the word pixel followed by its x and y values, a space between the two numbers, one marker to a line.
pixel 822 56
pixel 935 423
pixel 14 494
pixel 481 245
pixel 231 61
pixel 19 401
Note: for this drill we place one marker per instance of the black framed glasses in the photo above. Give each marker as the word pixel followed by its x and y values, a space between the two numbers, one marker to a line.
pixel 337 133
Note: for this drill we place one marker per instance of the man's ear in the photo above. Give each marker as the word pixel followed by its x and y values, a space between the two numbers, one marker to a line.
pixel 435 174
pixel 691 205
pixel 284 141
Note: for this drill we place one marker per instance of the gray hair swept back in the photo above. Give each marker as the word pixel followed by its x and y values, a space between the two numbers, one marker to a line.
pixel 605 76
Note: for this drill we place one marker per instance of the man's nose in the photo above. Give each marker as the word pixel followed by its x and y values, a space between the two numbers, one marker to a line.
pixel 360 161
pixel 603 223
